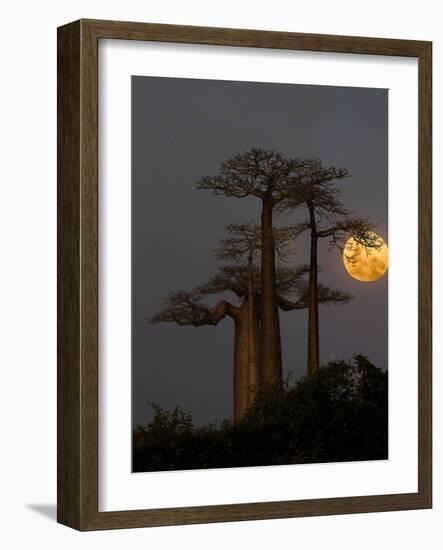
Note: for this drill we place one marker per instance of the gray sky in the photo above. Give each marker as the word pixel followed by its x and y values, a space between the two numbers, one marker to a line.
pixel 182 129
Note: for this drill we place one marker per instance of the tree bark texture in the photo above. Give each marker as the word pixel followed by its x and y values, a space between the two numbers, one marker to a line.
pixel 241 353
pixel 313 324
pixel 253 336
pixel 270 354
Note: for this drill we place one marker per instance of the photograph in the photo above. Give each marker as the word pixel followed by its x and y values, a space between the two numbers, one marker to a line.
pixel 220 288
pixel 260 257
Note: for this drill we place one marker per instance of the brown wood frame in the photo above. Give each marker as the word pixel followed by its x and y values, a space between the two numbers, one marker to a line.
pixel 77 455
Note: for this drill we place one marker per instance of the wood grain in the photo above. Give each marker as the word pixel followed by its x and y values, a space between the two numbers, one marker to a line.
pixel 77 454
pixel 254 38
pixel 68 276
pixel 425 274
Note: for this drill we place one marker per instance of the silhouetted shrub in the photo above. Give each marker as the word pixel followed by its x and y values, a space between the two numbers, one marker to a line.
pixel 339 413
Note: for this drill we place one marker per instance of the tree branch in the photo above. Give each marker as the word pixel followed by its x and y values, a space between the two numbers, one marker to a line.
pixel 185 308
pixel 325 295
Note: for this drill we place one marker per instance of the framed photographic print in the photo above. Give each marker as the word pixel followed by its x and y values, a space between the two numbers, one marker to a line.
pixel 244 275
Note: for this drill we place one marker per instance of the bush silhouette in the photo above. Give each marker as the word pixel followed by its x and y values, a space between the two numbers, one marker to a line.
pixel 338 413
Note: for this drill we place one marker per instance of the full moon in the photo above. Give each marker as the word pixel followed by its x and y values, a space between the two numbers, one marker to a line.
pixel 365 264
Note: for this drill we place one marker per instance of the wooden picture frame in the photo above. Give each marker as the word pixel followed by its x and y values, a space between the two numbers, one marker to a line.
pixel 78 274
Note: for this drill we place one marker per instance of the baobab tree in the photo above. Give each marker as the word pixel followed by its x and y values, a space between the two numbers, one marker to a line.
pixel 267 176
pixel 189 309
pixel 327 218
pixel 242 279
pixel 245 315
pixel 242 246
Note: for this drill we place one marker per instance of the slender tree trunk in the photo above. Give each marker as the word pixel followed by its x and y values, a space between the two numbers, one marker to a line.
pixel 270 353
pixel 253 336
pixel 313 328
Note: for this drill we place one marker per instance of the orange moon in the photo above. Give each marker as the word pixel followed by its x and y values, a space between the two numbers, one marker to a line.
pixel 365 264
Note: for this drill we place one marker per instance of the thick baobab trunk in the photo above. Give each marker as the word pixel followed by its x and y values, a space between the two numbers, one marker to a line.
pixel 241 355
pixel 313 330
pixel 270 345
pixel 240 316
pixel 253 336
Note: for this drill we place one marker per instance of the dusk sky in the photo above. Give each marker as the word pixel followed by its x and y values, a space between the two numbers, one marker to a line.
pixel 182 129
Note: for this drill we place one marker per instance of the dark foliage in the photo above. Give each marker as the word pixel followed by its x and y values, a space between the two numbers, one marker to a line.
pixel 338 413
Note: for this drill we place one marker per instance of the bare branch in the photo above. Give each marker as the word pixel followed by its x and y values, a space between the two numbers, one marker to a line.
pixel 360 229
pixel 328 296
pixel 261 173
pixel 244 241
pixel 186 308
pixel 325 295
pixel 363 242
pixel 290 280
pixel 229 278
pixel 315 185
